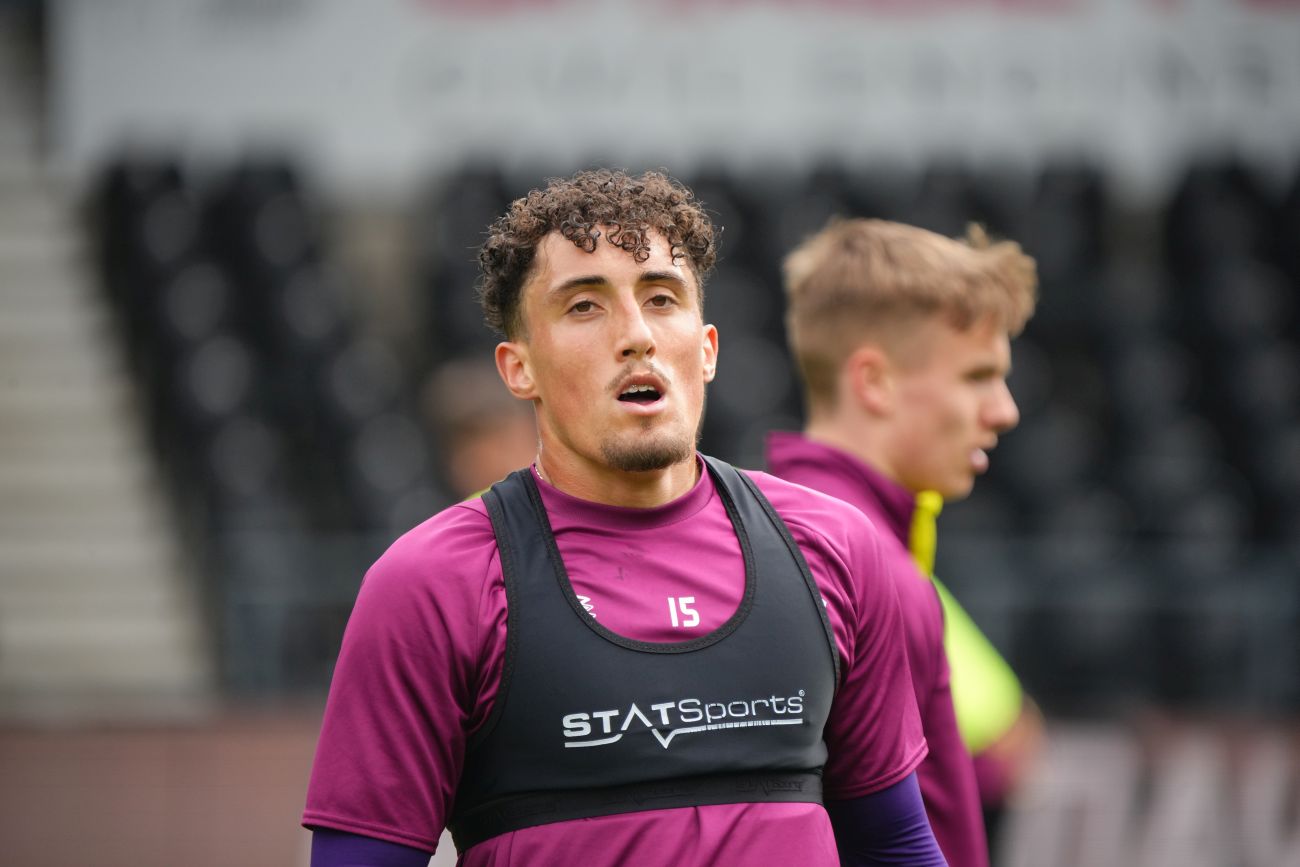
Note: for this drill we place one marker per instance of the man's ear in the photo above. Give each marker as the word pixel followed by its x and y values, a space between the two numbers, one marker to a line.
pixel 516 370
pixel 710 349
pixel 869 379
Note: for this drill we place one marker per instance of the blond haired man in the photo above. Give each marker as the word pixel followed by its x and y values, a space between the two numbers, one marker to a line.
pixel 902 337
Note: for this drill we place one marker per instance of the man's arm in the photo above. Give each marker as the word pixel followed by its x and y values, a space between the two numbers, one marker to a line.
pixel 885 827
pixel 873 737
pixel 423 638
pixel 340 849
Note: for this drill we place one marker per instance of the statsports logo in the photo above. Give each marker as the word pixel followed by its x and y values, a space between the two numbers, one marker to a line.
pixel 668 720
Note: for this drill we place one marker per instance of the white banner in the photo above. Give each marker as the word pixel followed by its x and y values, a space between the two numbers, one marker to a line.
pixel 381 93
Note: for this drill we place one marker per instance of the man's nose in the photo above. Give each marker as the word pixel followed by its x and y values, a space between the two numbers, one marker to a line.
pixel 1002 414
pixel 636 339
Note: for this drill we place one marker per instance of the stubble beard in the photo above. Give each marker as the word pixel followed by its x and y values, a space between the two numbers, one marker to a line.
pixel 643 456
pixel 649 452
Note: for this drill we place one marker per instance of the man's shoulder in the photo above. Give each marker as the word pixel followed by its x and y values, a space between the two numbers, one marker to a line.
pixel 841 523
pixel 467 520
pixel 811 511
pixel 456 541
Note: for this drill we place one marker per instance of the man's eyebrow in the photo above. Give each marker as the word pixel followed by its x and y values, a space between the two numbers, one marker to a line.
pixel 989 368
pixel 662 277
pixel 596 280
pixel 575 283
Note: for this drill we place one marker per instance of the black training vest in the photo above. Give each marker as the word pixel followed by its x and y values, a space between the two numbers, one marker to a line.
pixel 590 723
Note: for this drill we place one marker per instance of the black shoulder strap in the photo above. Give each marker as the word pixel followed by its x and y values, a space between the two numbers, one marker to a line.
pixel 513 490
pixel 731 477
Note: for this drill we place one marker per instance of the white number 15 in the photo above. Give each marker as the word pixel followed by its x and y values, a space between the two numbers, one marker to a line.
pixel 689 616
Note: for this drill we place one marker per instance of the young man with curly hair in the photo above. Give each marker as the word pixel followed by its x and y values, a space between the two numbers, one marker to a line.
pixel 902 337
pixel 628 652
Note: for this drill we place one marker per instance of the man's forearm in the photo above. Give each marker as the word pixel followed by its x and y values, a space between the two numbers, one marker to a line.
pixel 885 827
pixel 331 848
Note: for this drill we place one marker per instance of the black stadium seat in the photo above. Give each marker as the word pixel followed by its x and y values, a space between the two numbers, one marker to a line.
pixel 1159 383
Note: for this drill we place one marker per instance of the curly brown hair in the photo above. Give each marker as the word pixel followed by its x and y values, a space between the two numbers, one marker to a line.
pixel 577 207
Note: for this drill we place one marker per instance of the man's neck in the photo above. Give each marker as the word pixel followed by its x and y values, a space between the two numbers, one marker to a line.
pixel 598 483
pixel 854 438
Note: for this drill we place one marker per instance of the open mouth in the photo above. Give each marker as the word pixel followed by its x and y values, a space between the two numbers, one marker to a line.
pixel 640 394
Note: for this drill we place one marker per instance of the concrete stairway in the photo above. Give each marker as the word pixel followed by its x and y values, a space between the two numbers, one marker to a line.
pixel 98 615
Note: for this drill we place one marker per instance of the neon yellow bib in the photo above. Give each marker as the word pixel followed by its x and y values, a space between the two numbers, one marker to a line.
pixel 985 691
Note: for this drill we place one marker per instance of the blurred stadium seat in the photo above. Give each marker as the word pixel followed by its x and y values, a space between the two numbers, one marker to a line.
pixel 1159 448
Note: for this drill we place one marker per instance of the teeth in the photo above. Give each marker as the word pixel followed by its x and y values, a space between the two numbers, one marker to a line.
pixel 637 389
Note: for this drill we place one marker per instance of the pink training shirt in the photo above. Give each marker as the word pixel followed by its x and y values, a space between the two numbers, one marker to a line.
pixel 947 775
pixel 421 660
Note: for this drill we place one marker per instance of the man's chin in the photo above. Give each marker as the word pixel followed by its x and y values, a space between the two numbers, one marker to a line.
pixel 956 492
pixel 647 455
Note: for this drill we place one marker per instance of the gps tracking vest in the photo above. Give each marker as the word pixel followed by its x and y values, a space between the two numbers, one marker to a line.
pixel 589 723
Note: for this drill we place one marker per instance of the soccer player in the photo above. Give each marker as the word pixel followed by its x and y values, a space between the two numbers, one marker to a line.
pixel 902 338
pixel 627 653
pixel 483 432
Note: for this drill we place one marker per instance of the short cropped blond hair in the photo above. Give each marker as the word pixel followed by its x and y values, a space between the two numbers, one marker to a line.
pixel 860 280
